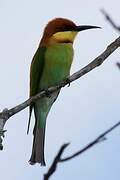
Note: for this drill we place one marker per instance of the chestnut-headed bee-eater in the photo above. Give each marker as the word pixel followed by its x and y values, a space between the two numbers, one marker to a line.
pixel 50 65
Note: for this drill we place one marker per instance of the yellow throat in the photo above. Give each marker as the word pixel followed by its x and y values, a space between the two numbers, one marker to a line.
pixel 66 36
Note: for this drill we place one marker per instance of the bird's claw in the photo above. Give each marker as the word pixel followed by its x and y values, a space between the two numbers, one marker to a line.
pixel 68 82
pixel 48 94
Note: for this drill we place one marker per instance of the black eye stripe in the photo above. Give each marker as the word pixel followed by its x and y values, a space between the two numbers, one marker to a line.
pixel 68 28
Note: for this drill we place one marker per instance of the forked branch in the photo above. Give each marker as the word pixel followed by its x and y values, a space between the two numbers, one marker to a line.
pixel 58 158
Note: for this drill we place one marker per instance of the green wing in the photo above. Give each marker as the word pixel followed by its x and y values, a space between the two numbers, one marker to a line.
pixel 36 69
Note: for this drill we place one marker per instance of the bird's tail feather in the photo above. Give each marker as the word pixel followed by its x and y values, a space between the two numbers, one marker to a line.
pixel 30 113
pixel 39 136
pixel 38 146
pixel 41 110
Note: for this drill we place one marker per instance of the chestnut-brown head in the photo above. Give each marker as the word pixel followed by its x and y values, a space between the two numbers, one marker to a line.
pixel 62 30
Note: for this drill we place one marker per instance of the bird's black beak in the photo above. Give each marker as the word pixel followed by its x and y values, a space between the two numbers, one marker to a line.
pixel 85 27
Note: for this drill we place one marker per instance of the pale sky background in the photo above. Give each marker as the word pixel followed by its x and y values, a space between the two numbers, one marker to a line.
pixel 84 110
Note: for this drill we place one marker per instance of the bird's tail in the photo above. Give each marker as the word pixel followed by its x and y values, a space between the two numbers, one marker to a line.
pixel 38 146
pixel 41 110
pixel 39 135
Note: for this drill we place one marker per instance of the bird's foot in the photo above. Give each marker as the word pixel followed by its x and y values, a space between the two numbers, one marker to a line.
pixel 68 82
pixel 48 94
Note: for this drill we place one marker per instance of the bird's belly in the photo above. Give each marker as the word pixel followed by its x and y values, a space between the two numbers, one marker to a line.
pixel 58 60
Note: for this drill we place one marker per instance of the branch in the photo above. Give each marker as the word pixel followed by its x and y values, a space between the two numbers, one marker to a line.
pixel 118 65
pixel 53 167
pixel 5 115
pixel 58 158
pixel 110 20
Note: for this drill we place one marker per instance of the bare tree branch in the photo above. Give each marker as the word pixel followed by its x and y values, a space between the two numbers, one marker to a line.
pixel 118 65
pixel 58 158
pixel 5 115
pixel 53 167
pixel 113 24
pixel 110 20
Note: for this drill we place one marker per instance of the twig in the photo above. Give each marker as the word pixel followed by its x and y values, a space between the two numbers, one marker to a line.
pixel 53 167
pixel 118 65
pixel 99 139
pixel 58 158
pixel 95 63
pixel 110 20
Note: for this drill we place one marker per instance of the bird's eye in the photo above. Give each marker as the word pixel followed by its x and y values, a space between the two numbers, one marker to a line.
pixel 66 28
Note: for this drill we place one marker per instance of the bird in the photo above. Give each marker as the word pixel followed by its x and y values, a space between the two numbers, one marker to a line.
pixel 50 65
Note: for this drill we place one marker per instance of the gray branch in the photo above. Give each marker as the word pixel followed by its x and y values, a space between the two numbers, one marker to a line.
pixel 58 158
pixel 110 20
pixel 118 65
pixel 5 115
pixel 53 167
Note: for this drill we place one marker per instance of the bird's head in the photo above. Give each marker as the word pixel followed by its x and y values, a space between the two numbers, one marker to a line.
pixel 62 31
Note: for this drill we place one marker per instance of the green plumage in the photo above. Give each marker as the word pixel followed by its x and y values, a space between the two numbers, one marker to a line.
pixel 49 66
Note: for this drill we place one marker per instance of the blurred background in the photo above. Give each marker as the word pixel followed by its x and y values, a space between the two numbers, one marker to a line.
pixel 82 111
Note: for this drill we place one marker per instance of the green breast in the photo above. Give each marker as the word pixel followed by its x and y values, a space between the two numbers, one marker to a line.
pixel 58 60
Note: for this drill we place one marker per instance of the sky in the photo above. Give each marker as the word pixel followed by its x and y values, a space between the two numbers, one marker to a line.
pixel 82 111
